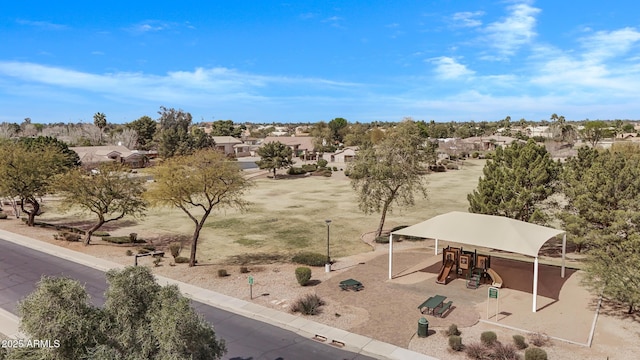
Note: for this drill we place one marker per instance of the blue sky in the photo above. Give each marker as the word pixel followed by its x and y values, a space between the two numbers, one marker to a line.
pixel 306 61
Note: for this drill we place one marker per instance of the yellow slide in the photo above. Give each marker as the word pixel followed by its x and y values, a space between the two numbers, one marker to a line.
pixel 444 272
pixel 497 280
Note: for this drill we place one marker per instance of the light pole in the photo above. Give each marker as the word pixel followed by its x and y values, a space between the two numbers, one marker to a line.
pixel 327 266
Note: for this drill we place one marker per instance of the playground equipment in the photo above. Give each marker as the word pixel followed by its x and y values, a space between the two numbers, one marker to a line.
pixel 474 267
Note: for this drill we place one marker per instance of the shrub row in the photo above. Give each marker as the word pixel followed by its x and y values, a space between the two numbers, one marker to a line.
pixel 309 259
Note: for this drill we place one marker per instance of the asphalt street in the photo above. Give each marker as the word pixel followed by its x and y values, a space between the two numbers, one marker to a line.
pixel 21 268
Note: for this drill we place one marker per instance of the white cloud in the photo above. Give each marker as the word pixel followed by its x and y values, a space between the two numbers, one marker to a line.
pixel 149 26
pixel 608 44
pixel 467 18
pixel 514 31
pixel 449 68
pixel 42 24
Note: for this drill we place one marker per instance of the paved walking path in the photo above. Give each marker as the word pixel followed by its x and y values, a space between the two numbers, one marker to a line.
pixel 352 342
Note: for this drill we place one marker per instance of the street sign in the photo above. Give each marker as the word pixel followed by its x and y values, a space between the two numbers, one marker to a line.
pixel 250 280
pixel 250 287
pixel 493 293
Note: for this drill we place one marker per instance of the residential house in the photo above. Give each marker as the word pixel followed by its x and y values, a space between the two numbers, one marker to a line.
pixel 302 146
pixel 488 143
pixel 344 155
pixel 227 145
pixel 91 156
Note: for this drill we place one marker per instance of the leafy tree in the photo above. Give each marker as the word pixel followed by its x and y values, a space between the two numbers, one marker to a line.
pixel 338 127
pixel 322 137
pixel 391 171
pixel 275 155
pixel 28 169
pixel 197 184
pixel 603 213
pixel 173 136
pixel 517 179
pixel 594 131
pixel 201 140
pixel 110 193
pixel 226 128
pixel 356 135
pixel 140 320
pixel 145 127
pixel 70 158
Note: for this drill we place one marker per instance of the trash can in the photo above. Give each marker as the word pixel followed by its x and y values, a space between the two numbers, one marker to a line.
pixel 423 327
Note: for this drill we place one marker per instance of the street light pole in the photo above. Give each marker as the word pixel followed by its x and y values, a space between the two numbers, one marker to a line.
pixel 327 266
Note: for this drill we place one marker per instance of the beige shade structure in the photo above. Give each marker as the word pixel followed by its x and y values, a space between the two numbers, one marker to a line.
pixel 495 232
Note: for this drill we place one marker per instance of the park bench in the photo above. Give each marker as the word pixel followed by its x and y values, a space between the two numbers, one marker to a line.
pixel 441 310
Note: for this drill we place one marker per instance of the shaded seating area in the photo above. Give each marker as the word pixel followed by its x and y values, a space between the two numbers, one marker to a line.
pixel 351 284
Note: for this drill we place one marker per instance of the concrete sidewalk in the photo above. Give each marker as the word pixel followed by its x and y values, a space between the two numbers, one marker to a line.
pixel 302 326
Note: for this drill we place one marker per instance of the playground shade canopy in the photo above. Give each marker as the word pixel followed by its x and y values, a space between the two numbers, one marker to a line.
pixel 496 232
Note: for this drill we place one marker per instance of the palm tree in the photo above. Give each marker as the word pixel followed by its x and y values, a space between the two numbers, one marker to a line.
pixel 100 120
pixel 563 132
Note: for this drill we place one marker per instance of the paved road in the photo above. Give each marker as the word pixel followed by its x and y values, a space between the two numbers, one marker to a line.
pixel 21 268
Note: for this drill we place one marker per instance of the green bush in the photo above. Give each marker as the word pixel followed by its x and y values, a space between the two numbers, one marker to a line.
pixel 3 215
pixel 399 227
pixel 310 259
pixel 222 273
pixel 475 155
pixel 477 351
pixel 535 353
pixel 504 352
pixel 175 248
pixel 308 304
pixel 133 237
pixel 455 343
pixel 322 163
pixel 519 341
pixel 335 168
pixel 303 275
pixel 181 260
pixel 143 251
pixel 296 171
pixel 488 338
pixel 382 239
pixel 67 236
pixel 101 233
pixel 309 167
pixel 453 330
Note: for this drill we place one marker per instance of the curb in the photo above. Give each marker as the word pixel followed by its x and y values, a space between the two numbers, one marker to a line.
pixel 311 329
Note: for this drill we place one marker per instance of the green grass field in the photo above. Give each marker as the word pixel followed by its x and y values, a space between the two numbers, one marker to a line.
pixel 287 216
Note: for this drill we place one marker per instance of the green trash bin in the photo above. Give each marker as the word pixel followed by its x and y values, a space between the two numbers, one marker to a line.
pixel 423 327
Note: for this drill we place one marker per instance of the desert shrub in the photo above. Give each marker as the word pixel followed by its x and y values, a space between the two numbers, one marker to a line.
pixel 518 340
pixel 504 352
pixel 475 155
pixel 129 252
pixel 307 304
pixel 3 215
pixel 181 260
pixel 310 259
pixel 335 168
pixel 149 247
pixel 322 163
pixel 437 168
pixel 488 338
pixel 143 251
pixel 452 166
pixel 539 339
pixel 477 351
pixel 175 248
pixel 455 343
pixel 101 233
pixel 117 239
pixel 382 239
pixel 453 330
pixel 133 237
pixel 322 172
pixel 296 171
pixel 67 236
pixel 535 353
pixel 222 273
pixel 303 275
pixel 399 227
pixel 244 269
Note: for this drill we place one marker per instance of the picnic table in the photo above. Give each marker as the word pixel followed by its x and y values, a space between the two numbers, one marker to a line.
pixel 432 303
pixel 351 284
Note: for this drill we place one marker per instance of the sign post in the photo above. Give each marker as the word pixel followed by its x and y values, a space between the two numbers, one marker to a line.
pixel 493 294
pixel 250 287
